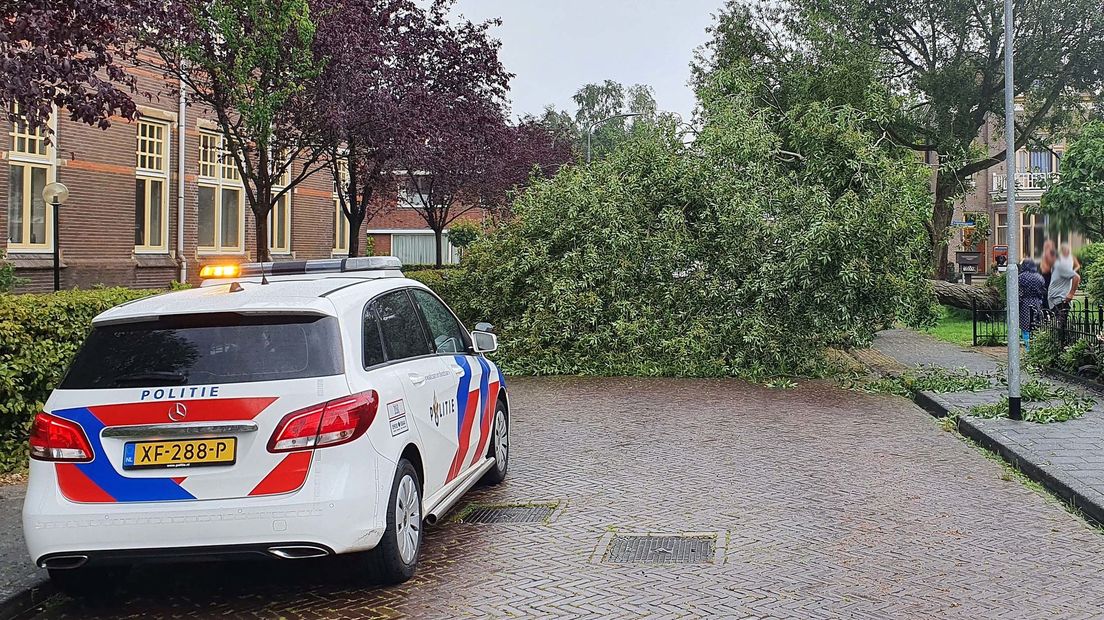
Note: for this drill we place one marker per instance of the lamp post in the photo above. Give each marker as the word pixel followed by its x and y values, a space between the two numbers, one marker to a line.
pixel 56 194
pixel 1013 289
pixel 590 130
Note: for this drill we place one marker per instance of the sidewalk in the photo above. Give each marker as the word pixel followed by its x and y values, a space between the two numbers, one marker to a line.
pixel 21 583
pixel 1067 457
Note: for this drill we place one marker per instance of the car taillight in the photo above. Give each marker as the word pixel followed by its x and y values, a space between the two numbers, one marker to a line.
pixel 329 424
pixel 57 439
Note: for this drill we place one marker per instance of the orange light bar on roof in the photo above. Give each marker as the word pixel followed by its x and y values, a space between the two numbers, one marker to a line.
pixel 219 271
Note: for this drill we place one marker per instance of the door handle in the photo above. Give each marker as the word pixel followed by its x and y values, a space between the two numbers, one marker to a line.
pixel 416 379
pixel 457 370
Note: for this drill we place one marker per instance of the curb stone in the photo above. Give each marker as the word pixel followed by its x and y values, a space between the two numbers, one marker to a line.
pixel 1068 491
pixel 25 600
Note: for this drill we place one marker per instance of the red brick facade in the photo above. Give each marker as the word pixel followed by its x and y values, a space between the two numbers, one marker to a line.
pixel 97 224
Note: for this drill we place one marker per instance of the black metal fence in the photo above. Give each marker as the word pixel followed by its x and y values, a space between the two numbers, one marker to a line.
pixel 1083 320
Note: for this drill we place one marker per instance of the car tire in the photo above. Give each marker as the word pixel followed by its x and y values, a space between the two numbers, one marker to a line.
pixel 500 446
pixel 94 585
pixel 395 558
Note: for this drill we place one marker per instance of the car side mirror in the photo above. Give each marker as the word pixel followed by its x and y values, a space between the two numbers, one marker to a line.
pixel 484 342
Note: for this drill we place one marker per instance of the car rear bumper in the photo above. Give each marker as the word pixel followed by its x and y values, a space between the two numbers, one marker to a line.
pixel 330 514
pixel 92 558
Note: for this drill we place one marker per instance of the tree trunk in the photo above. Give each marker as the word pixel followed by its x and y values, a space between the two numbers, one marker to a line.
pixel 942 212
pixel 355 222
pixel 260 214
pixel 438 235
pixel 263 255
pixel 965 296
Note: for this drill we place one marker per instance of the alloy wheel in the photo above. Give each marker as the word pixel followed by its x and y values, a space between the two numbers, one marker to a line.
pixel 408 519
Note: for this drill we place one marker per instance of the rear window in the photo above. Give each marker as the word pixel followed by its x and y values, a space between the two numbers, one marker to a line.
pixel 207 348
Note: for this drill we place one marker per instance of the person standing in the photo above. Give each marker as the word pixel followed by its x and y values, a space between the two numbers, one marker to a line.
pixel 1064 281
pixel 1033 292
pixel 1046 266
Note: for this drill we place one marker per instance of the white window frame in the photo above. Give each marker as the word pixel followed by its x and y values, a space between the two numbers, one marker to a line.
pixel 161 175
pixel 285 223
pixel 450 257
pixel 218 175
pixel 340 223
pixel 46 161
pixel 408 199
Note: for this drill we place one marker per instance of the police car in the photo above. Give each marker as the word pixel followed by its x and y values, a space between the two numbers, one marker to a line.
pixel 284 410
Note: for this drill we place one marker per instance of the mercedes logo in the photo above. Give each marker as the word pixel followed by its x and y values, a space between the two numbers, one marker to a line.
pixel 178 412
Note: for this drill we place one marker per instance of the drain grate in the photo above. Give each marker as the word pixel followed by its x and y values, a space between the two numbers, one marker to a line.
pixel 662 549
pixel 526 513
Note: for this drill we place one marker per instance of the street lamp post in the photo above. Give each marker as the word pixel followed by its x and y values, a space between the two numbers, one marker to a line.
pixel 590 130
pixel 55 195
pixel 1013 288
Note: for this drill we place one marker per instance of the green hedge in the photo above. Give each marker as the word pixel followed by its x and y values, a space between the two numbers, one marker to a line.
pixel 39 334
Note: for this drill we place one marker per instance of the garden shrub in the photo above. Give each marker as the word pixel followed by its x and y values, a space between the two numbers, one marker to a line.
pixel 8 279
pixel 999 281
pixel 39 334
pixel 463 233
pixel 1044 349
pixel 1078 354
pixel 1092 277
pixel 746 253
pixel 1090 255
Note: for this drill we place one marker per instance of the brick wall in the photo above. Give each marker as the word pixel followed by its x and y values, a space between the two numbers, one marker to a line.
pixel 97 224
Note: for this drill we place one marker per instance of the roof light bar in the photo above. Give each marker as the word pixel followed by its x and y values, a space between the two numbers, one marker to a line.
pixel 326 265
pixel 218 271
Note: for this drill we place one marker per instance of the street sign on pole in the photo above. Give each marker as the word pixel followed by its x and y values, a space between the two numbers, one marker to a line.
pixel 1013 287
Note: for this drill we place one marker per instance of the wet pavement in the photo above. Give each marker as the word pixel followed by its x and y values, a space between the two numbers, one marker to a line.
pixel 1066 456
pixel 820 502
pixel 17 572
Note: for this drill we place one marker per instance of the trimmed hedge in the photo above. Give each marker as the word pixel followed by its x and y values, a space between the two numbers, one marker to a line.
pixel 39 334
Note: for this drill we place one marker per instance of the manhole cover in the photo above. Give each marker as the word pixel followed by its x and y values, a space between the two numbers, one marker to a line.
pixel 508 514
pixel 662 549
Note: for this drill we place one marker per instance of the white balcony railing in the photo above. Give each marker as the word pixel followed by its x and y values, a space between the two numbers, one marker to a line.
pixel 1034 183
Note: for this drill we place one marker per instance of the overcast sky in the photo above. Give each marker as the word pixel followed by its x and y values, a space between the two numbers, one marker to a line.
pixel 555 46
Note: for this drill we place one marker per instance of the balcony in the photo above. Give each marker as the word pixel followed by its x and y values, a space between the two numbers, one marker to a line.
pixel 1030 186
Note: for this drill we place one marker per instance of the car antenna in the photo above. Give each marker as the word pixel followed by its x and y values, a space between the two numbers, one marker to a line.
pixel 264 280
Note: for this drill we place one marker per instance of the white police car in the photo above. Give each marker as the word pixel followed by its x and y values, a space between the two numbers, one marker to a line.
pixel 291 410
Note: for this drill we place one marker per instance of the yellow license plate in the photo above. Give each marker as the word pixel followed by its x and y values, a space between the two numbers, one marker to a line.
pixel 187 453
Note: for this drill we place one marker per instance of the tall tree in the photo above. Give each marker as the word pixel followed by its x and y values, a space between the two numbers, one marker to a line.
pixel 597 102
pixel 71 54
pixel 474 161
pixel 366 95
pixel 392 84
pixel 251 63
pixel 943 62
pixel 447 171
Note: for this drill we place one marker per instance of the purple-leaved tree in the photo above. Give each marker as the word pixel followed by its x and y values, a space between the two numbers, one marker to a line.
pixel 398 81
pixel 71 54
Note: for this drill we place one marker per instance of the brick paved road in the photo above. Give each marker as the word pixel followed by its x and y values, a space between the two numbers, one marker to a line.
pixel 1071 452
pixel 834 505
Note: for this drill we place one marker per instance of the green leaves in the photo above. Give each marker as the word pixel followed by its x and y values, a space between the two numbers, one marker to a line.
pixel 1077 199
pixel 746 253
pixel 39 334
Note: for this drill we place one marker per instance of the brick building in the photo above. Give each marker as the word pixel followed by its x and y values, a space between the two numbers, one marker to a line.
pixel 1036 168
pixel 152 201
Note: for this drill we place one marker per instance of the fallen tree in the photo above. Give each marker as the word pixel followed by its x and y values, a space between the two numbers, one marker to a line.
pixel 966 295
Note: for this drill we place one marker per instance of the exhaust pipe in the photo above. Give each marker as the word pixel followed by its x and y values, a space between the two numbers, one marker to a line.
pixel 63 562
pixel 298 552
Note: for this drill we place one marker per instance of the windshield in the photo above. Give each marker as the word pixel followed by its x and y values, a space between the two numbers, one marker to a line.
pixel 207 348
